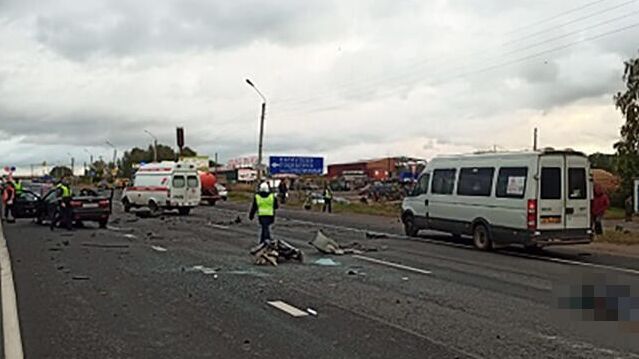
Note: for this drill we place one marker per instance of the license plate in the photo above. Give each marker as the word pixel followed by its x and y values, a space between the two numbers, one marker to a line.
pixel 90 205
pixel 551 220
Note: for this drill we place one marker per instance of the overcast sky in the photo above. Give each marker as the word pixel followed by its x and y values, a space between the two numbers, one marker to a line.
pixel 344 79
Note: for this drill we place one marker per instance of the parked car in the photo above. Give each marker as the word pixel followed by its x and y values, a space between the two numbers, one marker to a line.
pixel 165 185
pixel 534 199
pixel 222 192
pixel 88 206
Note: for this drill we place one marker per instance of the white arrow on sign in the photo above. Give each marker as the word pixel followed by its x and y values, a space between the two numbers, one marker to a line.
pixel 275 165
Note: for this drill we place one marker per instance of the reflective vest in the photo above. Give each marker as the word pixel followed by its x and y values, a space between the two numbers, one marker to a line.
pixel 18 187
pixel 328 193
pixel 265 206
pixel 66 191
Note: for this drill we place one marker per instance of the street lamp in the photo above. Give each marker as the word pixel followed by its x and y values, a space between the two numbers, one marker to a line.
pixel 90 156
pixel 115 152
pixel 72 163
pixel 155 146
pixel 259 148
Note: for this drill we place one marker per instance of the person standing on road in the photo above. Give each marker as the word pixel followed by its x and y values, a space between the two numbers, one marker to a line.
pixel 63 214
pixel 8 196
pixel 600 204
pixel 328 199
pixel 283 190
pixel 17 184
pixel 264 204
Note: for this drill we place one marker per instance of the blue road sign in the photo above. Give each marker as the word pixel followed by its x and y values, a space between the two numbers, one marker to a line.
pixel 296 165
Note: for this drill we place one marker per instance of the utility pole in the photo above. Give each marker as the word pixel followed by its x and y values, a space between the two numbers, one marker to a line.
pixel 115 153
pixel 215 168
pixel 155 146
pixel 535 134
pixel 259 148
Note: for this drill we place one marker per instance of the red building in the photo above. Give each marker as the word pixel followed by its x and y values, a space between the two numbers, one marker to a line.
pixel 380 169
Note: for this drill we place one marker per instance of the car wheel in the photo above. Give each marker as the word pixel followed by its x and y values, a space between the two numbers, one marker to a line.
pixel 212 202
pixel 184 211
pixel 103 223
pixel 481 238
pixel 154 208
pixel 409 225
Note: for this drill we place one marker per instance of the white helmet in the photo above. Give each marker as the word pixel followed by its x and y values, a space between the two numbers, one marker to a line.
pixel 264 188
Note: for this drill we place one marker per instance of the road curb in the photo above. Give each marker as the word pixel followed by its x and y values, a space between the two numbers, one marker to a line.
pixel 10 321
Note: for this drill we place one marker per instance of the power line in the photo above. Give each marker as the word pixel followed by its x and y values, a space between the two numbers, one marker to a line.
pixel 559 15
pixel 489 68
pixel 330 92
pixel 410 71
pixel 591 15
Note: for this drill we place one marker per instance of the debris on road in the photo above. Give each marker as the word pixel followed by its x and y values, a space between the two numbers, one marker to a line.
pixel 274 252
pixel 80 277
pixel 130 236
pixel 311 311
pixel 203 270
pixel 132 220
pixel 326 245
pixel 355 271
pixel 158 249
pixel 105 245
pixel 326 262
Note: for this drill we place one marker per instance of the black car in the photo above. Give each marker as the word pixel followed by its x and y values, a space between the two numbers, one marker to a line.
pixel 89 205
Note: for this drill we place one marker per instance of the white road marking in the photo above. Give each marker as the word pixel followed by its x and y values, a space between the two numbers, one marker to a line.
pixel 457 245
pixel 10 321
pixel 218 226
pixel 577 263
pixel 287 308
pixel 158 248
pixel 130 236
pixel 392 264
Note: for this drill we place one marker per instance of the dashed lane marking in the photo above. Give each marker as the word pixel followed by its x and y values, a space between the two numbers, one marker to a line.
pixel 392 264
pixel 287 308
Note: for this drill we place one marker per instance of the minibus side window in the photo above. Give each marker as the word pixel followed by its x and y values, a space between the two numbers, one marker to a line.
pixel 443 181
pixel 475 182
pixel 511 182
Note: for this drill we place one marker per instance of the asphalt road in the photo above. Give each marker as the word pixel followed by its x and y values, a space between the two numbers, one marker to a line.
pixel 111 293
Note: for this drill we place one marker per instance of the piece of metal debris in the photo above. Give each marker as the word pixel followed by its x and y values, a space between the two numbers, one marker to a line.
pixel 158 249
pixel 273 252
pixel 80 277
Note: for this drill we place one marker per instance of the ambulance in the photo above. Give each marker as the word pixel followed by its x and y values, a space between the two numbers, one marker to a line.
pixel 162 186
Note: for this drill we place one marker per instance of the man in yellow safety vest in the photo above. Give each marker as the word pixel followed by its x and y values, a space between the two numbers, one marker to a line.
pixel 63 214
pixel 264 204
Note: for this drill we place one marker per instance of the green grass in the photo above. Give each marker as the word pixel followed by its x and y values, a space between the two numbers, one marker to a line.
pixel 615 213
pixel 376 209
pixel 617 237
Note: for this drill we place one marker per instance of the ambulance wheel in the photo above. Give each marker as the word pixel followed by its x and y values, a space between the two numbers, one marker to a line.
pixel 154 208
pixel 184 211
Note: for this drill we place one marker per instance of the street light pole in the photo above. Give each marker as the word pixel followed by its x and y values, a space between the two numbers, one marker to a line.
pixel 259 148
pixel 155 146
pixel 90 157
pixel 115 153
